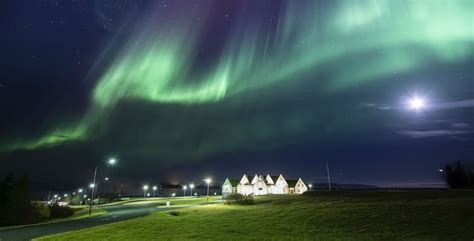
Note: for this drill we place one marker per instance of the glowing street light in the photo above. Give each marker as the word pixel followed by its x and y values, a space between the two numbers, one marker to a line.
pixel 106 179
pixel 80 190
pixel 417 103
pixel 110 162
pixel 145 188
pixel 65 195
pixel 208 181
pixel 173 194
pixel 310 186
pixel 184 190
pixel 154 190
pixel 191 186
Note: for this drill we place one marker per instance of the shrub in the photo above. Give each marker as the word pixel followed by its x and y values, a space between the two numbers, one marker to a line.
pixel 40 211
pixel 238 199
pixel 61 211
pixel 174 213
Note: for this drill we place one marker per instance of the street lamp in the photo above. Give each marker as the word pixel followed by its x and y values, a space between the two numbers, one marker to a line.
pixel 208 181
pixel 154 190
pixel 173 194
pixel 111 162
pixel 417 103
pixel 80 190
pixel 191 186
pixel 310 186
pixel 145 187
pixel 184 190
pixel 106 179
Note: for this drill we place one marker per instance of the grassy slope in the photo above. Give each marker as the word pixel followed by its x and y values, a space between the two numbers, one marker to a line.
pixel 320 215
pixel 79 212
pixel 161 201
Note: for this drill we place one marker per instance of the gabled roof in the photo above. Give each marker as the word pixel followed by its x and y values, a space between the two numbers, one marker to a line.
pixel 246 177
pixel 255 177
pixel 274 179
pixel 234 182
pixel 291 183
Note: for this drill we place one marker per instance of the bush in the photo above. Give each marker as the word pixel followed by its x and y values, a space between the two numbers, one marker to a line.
pixel 60 211
pixel 238 199
pixel 40 211
pixel 174 213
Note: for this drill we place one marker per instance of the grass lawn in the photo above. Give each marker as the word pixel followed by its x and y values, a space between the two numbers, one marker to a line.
pixel 362 215
pixel 79 212
pixel 174 202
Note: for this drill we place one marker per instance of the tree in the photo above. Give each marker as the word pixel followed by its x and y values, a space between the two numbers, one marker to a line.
pixel 458 175
pixel 15 203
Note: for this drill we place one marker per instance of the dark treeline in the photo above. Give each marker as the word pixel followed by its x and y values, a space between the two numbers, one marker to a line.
pixel 17 207
pixel 15 202
pixel 459 174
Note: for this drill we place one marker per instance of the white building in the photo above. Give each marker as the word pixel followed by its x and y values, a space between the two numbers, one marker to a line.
pixel 260 185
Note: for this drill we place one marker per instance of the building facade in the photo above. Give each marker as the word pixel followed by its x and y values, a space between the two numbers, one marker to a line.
pixel 262 185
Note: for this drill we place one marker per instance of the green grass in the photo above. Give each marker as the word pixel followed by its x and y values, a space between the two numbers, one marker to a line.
pixel 79 213
pixel 174 202
pixel 364 215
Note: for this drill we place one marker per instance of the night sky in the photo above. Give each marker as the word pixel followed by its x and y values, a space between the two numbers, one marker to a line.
pixel 181 90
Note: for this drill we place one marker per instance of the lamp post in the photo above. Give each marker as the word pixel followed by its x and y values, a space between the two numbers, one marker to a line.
pixel 310 186
pixel 145 187
pixel 191 186
pixel 111 162
pixel 154 190
pixel 417 103
pixel 208 181
pixel 184 190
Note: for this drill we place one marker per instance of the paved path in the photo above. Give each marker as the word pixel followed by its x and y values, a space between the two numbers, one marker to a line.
pixel 114 213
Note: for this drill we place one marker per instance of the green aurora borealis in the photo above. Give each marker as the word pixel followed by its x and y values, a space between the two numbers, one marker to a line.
pixel 267 83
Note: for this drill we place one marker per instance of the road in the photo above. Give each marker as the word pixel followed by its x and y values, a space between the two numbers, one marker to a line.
pixel 114 213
